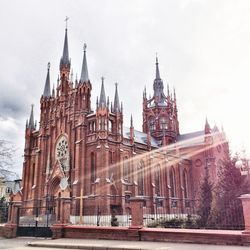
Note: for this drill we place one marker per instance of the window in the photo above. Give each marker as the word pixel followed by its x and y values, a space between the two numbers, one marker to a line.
pixel 185 183
pixel 140 178
pixel 125 168
pixel 157 181
pixel 151 124
pixel 93 167
pixel 172 182
pixel 163 123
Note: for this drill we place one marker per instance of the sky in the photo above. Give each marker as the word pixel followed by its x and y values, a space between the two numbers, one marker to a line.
pixel 203 48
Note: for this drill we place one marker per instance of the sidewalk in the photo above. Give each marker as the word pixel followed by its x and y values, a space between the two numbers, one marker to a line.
pixel 91 244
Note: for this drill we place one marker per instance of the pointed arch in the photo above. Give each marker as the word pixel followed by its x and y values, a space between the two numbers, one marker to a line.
pixel 172 182
pixel 157 180
pixel 92 167
pixel 140 178
pixel 185 183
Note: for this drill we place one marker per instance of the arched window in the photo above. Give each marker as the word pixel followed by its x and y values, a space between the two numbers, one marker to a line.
pixel 163 123
pixel 93 167
pixel 125 168
pixel 157 180
pixel 185 183
pixel 152 124
pixel 110 126
pixel 140 178
pixel 172 182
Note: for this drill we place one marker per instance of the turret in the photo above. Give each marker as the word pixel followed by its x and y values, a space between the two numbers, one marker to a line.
pixel 160 112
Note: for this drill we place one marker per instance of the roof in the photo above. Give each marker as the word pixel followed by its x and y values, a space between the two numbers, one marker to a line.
pixel 140 137
pixel 191 139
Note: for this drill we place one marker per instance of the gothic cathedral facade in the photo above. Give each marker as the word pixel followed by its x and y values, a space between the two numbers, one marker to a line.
pixel 93 162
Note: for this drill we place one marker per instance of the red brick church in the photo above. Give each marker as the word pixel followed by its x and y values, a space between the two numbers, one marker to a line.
pixel 83 161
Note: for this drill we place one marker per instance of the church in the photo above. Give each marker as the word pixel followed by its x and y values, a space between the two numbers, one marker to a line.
pixel 82 161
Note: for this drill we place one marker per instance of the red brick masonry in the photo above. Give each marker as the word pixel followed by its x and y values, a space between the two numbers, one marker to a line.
pixel 158 234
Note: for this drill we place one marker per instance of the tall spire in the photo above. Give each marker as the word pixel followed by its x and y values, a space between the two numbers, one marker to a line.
pixel 46 92
pixel 65 62
pixel 159 96
pixel 116 100
pixel 102 100
pixel 207 127
pixel 157 72
pixel 131 121
pixel 31 120
pixel 84 74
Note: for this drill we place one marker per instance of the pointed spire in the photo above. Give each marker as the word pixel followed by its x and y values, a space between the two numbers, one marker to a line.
pixel 31 120
pixel 65 62
pixel 174 95
pixel 131 121
pixel 159 96
pixel 84 74
pixel 207 127
pixel 157 72
pixel 97 102
pixel 108 102
pixel 53 91
pixel 102 100
pixel 46 92
pixel 116 100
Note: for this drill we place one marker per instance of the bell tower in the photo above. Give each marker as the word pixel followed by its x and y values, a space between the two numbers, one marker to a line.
pixel 160 117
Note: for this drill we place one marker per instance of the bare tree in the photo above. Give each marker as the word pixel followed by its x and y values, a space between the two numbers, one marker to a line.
pixel 7 151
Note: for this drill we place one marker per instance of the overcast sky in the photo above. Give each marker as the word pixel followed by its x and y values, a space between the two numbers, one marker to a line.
pixel 203 49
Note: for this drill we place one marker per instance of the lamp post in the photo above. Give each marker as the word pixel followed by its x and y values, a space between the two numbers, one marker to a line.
pixel 244 166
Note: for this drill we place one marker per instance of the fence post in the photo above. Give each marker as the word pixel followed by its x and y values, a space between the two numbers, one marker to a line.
pixel 136 204
pixel 245 199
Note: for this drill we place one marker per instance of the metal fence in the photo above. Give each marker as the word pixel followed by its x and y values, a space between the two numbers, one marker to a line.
pixel 100 216
pixel 188 213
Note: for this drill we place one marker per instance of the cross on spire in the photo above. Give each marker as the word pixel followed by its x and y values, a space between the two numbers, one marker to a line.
pixel 66 21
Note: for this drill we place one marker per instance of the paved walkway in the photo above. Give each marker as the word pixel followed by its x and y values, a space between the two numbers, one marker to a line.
pixel 90 244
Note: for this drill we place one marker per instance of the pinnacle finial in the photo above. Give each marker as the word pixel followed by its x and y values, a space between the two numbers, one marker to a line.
pixel 157 72
pixel 116 100
pixel 102 100
pixel 131 121
pixel 66 22
pixel 65 61
pixel 31 120
pixel 84 74
pixel 46 92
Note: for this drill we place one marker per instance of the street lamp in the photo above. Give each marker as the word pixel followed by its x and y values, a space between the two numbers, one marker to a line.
pixel 244 166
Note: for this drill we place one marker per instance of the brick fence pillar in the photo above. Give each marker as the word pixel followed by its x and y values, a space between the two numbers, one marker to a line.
pixel 245 199
pixel 66 210
pixel 10 228
pixel 136 205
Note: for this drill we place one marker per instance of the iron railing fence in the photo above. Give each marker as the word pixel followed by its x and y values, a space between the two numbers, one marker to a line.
pixel 100 216
pixel 189 213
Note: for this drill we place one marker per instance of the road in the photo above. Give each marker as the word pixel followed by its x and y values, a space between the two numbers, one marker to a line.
pixel 21 244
